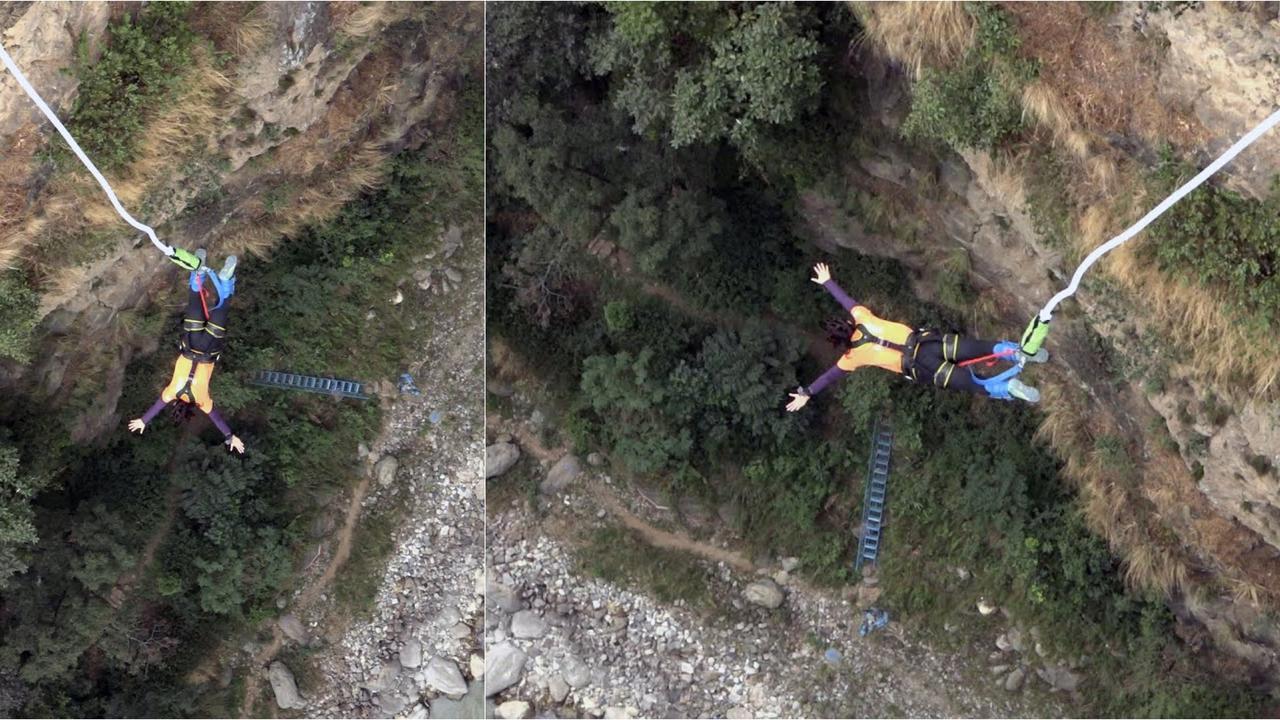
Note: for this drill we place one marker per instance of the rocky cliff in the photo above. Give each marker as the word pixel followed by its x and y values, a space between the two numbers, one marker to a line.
pixel 1194 508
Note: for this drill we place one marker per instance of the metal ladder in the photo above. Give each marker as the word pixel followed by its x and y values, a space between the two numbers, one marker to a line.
pixel 873 502
pixel 307 383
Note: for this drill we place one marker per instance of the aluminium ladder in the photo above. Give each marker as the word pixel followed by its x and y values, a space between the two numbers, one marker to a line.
pixel 873 504
pixel 307 383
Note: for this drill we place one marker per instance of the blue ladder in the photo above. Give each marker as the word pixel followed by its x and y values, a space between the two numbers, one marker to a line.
pixel 307 383
pixel 873 502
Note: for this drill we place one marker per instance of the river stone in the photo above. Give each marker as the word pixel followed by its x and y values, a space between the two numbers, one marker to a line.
pixel 576 672
pixel 386 470
pixel 443 676
pixel 764 593
pixel 471 705
pixel 528 625
pixel 558 688
pixel 387 676
pixel 562 474
pixel 392 704
pixel 292 627
pixel 284 687
pixel 411 654
pixel 1013 683
pixel 513 710
pixel 502 667
pixel 499 457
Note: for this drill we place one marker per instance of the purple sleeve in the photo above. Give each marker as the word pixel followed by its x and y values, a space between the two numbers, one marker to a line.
pixel 825 379
pixel 153 411
pixel 840 295
pixel 219 423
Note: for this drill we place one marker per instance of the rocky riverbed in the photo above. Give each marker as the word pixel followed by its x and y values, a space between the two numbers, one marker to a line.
pixel 563 643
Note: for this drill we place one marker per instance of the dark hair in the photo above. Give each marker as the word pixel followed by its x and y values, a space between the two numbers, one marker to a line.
pixel 181 411
pixel 839 332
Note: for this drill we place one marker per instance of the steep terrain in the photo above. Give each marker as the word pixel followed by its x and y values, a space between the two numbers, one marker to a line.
pixel 336 149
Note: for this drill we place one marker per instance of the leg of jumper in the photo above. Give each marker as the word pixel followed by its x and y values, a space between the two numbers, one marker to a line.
pixel 957 348
pixel 933 369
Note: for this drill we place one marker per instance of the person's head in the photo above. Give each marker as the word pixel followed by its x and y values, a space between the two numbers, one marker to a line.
pixel 839 332
pixel 181 411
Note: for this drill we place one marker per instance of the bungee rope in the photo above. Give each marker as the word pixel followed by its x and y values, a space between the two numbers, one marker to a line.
pixel 182 257
pixel 1036 331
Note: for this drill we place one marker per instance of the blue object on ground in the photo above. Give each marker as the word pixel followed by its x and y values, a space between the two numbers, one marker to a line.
pixel 873 619
pixel 407 385
pixel 832 656
pixel 436 417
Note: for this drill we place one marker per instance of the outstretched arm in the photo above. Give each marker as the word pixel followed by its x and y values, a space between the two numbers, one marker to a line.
pixel 231 440
pixel 801 397
pixel 822 276
pixel 140 424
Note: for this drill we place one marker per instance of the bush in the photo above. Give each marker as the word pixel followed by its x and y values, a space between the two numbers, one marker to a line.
pixel 978 104
pixel 18 304
pixel 141 64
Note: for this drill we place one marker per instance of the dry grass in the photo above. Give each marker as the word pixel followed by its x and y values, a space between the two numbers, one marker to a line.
pixel 369 20
pixel 917 33
pixel 239 28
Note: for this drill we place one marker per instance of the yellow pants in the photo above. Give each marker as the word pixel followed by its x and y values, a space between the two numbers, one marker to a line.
pixel 195 381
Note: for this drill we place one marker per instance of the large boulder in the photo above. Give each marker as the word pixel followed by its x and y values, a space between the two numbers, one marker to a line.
pixel 284 687
pixel 562 474
pixel 444 677
pixel 499 457
pixel 764 593
pixel 502 667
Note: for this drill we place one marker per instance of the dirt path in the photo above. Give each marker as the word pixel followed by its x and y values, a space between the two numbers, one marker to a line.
pixel 308 595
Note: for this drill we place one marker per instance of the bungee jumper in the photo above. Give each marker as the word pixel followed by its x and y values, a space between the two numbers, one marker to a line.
pixel 924 355
pixel 204 332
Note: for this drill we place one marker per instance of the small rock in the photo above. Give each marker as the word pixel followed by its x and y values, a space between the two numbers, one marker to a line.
pixel 453 275
pixel 387 676
pixel 411 654
pixel 419 712
pixel 1013 683
pixel 1059 677
pixel 513 709
pixel 476 666
pixel 443 676
pixel 386 470
pixel 527 624
pixel 739 713
pixel 576 672
pixel 398 298
pixel 502 597
pixel 764 593
pixel 595 459
pixel 562 474
pixel 999 669
pixel 1017 639
pixel 1002 642
pixel 985 607
pixel 292 627
pixel 789 564
pixel 618 713
pixel 963 574
pixel 392 704
pixel 503 666
pixel 558 688
pixel 284 687
pixel 498 458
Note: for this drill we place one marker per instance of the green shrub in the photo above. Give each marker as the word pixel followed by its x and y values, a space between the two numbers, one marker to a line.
pixel 18 304
pixel 978 104
pixel 141 65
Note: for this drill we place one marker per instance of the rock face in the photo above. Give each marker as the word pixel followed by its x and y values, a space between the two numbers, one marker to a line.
pixel 503 666
pixel 764 593
pixel 284 687
pixel 499 457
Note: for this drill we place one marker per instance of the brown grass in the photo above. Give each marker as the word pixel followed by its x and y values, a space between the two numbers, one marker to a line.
pixel 239 28
pixel 917 33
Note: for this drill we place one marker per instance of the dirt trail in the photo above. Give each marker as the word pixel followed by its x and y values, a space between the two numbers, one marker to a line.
pixel 308 595
pixel 605 496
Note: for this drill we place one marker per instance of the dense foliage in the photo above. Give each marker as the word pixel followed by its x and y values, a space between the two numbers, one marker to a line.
pixel 977 104
pixel 140 65
pixel 88 629
pixel 18 303
pixel 659 287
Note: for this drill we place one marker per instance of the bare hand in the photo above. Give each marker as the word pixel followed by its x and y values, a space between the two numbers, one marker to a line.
pixel 136 425
pixel 236 445
pixel 798 401
pixel 822 273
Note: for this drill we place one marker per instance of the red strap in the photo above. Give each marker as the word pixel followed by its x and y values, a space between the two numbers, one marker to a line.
pixel 203 303
pixel 992 357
